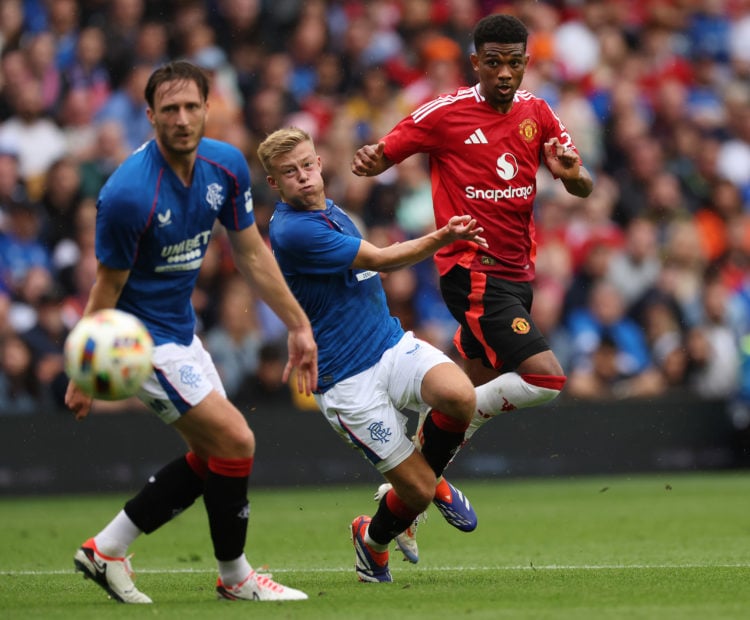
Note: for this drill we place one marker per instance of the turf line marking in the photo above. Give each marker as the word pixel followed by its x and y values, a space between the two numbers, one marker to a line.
pixel 541 567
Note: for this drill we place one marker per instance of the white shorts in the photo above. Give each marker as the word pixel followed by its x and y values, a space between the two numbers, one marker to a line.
pixel 183 376
pixel 366 409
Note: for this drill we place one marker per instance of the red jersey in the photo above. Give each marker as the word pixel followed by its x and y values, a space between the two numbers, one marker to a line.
pixel 482 163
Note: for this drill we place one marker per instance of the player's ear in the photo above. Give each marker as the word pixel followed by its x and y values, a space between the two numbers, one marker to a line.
pixel 272 182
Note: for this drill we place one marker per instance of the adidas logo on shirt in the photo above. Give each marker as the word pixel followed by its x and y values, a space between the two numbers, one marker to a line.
pixel 477 137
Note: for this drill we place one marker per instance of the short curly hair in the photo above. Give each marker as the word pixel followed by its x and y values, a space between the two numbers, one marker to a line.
pixel 500 28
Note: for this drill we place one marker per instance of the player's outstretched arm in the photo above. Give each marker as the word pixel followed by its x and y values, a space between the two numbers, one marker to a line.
pixel 407 253
pixel 256 262
pixel 370 160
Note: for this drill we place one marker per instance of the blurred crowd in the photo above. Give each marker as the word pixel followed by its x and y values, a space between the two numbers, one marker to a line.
pixel 642 288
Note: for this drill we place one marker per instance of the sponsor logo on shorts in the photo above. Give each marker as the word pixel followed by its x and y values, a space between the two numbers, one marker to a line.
pixel 520 325
pixel 378 432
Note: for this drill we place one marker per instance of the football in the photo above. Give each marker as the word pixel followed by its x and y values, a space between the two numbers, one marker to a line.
pixel 108 354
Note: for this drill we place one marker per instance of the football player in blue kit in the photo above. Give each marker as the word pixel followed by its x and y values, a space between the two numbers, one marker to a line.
pixel 154 221
pixel 369 368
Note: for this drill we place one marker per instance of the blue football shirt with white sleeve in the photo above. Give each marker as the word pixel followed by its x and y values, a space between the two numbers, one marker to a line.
pixel 347 307
pixel 150 223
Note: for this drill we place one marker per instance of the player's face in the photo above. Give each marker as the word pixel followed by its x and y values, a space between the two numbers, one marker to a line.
pixel 500 67
pixel 297 175
pixel 178 116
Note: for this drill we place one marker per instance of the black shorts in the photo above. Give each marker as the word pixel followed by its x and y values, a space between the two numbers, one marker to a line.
pixel 494 316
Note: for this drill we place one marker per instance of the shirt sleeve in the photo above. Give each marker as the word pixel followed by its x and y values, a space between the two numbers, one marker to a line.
pixel 237 212
pixel 119 227
pixel 415 133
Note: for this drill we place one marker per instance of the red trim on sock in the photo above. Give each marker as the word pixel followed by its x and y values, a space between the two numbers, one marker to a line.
pixel 397 506
pixel 447 423
pixel 551 382
pixel 232 468
pixel 197 464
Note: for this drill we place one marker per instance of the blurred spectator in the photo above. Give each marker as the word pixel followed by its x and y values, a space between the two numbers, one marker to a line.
pixel 152 43
pixel 635 269
pixel 62 194
pixel 20 392
pixel 63 23
pixel 34 136
pixel 713 362
pixel 604 318
pixel 46 339
pixel 88 71
pixel 81 281
pixel 234 341
pixel 40 57
pixel 440 69
pixel 603 378
pixel 733 161
pixel 109 150
pixel 21 249
pixel 12 189
pixel 75 116
pixel 120 22
pixel 11 24
pixel 663 327
pixel 547 313
pixel 414 208
pixel 128 107
pixel 264 391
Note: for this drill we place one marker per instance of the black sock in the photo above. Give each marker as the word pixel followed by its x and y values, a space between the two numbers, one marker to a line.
pixel 439 445
pixel 385 525
pixel 228 510
pixel 167 493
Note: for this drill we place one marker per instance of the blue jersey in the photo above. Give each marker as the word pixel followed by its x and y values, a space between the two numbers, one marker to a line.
pixel 347 307
pixel 148 222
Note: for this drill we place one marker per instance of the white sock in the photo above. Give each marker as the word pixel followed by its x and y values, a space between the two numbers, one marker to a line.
pixel 234 571
pixel 117 536
pixel 507 392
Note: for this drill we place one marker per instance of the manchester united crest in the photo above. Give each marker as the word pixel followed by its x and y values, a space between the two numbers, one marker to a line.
pixel 528 129
pixel 520 325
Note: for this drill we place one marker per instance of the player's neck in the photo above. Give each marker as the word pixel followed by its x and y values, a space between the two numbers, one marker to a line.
pixel 182 164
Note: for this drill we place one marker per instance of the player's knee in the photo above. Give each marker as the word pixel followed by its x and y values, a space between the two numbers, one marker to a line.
pixel 542 389
pixel 457 399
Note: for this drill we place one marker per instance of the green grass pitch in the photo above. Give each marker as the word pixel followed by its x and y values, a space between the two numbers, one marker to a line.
pixel 640 547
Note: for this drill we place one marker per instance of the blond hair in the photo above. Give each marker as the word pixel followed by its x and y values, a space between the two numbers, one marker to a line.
pixel 279 142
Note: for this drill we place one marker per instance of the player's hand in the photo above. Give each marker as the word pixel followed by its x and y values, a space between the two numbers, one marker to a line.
pixel 78 402
pixel 465 227
pixel 370 160
pixel 303 355
pixel 562 161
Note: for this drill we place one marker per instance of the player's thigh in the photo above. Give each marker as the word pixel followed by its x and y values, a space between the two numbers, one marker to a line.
pixel 411 364
pixel 215 427
pixel 360 410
